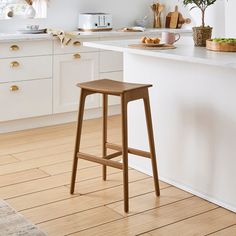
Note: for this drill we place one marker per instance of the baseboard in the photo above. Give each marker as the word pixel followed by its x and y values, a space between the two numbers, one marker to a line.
pixel 56 119
pixel 186 188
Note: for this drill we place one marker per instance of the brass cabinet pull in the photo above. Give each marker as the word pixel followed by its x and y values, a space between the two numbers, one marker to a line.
pixel 77 43
pixel 14 48
pixel 77 56
pixel 15 64
pixel 14 88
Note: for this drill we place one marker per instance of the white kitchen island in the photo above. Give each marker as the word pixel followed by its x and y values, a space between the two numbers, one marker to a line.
pixel 193 102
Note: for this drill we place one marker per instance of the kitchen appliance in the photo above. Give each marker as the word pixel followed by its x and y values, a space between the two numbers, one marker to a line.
pixel 95 22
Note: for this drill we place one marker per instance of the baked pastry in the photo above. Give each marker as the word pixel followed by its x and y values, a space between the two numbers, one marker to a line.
pixel 143 39
pixel 148 40
pixel 156 41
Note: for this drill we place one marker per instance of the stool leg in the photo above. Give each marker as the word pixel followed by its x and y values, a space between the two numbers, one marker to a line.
pixel 78 139
pixel 125 152
pixel 151 141
pixel 104 141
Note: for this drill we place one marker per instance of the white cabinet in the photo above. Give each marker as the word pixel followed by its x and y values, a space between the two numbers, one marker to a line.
pixel 69 70
pixel 25 99
pixel 25 68
pixel 111 61
pixel 25 79
pixel 26 48
pixel 76 45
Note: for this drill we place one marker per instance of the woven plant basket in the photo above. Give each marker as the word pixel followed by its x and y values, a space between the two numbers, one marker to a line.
pixel 201 35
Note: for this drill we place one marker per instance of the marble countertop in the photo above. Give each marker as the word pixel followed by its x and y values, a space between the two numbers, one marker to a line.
pixel 186 53
pixel 9 37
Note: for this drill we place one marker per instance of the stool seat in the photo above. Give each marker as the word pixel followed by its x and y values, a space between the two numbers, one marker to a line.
pixel 112 87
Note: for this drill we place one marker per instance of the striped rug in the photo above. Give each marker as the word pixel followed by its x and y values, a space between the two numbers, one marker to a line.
pixel 13 223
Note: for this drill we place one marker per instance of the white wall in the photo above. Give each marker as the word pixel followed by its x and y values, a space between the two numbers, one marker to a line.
pixel 64 16
pixel 230 19
pixel 63 13
pixel 215 16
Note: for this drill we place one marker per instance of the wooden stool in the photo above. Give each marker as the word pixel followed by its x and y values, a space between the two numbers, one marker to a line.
pixel 128 92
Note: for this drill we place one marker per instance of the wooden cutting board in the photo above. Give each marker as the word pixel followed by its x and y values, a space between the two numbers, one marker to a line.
pixel 172 19
pixel 182 21
pixel 148 47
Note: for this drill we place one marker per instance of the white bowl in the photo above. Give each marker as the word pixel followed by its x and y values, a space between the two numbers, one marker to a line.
pixel 141 23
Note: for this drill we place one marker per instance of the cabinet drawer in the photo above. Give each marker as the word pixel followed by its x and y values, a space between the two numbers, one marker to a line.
pixel 111 61
pixel 75 46
pixel 29 48
pixel 25 68
pixel 25 99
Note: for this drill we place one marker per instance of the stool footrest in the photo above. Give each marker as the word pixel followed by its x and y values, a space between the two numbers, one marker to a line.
pixel 130 150
pixel 102 161
pixel 113 155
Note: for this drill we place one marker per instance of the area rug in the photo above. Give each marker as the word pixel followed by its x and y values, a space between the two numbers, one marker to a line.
pixel 13 223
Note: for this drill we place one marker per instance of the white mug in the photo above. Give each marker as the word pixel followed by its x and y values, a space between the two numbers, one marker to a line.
pixel 169 38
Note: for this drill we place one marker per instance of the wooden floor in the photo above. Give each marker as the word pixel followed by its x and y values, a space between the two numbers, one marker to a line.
pixel 35 171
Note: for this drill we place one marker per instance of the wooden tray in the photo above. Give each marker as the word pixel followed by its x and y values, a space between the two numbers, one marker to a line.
pixel 95 30
pixel 129 30
pixel 220 47
pixel 156 47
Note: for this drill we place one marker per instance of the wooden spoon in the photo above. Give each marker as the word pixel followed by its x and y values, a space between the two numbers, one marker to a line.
pixel 158 16
pixel 154 7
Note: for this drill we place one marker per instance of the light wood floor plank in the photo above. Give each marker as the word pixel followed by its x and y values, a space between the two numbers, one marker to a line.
pixel 35 163
pixel 36 145
pixel 43 152
pixel 80 221
pixel 230 231
pixel 152 219
pixel 61 193
pixel 86 202
pixel 89 139
pixel 32 200
pixel 20 177
pixel 46 133
pixel 199 225
pixel 7 159
pixel 89 126
pixel 18 135
pixel 94 185
pixel 148 201
pixel 49 182
pixel 66 166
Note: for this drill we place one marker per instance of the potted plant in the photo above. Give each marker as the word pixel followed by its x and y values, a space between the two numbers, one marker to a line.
pixel 203 32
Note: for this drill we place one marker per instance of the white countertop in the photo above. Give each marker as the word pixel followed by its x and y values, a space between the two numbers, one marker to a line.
pixel 119 33
pixel 187 53
pixel 9 37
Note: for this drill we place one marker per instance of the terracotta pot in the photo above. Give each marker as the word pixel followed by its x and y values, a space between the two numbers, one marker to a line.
pixel 201 35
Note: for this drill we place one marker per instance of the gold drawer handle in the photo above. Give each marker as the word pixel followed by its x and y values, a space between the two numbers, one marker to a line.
pixel 15 64
pixel 14 88
pixel 14 48
pixel 77 56
pixel 77 43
